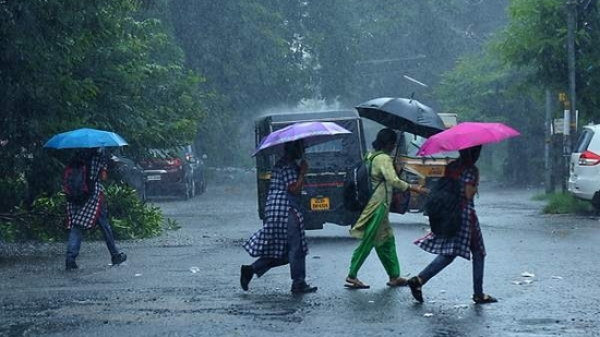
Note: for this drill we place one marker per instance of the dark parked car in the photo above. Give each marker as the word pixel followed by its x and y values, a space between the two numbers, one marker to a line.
pixel 174 171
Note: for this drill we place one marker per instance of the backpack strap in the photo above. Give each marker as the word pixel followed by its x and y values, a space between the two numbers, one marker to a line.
pixel 370 158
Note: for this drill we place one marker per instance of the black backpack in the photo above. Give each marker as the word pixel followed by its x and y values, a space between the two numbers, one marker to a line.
pixel 77 184
pixel 357 185
pixel 443 207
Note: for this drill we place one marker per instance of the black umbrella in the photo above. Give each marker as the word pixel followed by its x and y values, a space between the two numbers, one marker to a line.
pixel 402 114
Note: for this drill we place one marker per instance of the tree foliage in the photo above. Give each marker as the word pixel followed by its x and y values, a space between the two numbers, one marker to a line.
pixel 46 219
pixel 536 38
pixel 69 64
pixel 506 82
pixel 482 88
pixel 419 39
pixel 163 72
pixel 259 55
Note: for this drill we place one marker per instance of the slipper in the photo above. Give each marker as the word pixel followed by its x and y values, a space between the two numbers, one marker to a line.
pixel 355 284
pixel 398 282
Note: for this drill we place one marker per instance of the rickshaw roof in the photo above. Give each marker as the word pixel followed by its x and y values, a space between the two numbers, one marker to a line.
pixel 292 117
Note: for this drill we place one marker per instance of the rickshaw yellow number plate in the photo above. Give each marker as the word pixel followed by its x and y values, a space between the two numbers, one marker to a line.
pixel 319 204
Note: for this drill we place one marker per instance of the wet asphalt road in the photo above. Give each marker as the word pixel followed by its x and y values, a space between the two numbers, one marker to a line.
pixel 186 282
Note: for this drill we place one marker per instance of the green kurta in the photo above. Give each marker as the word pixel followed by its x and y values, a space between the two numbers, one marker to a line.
pixel 373 225
pixel 383 175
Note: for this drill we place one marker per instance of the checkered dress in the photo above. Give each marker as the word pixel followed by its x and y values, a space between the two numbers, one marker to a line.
pixel 469 233
pixel 86 215
pixel 271 240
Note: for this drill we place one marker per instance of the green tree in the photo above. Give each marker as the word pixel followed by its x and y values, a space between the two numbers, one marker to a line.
pixel 536 38
pixel 331 36
pixel 69 64
pixel 251 58
pixel 482 88
pixel 420 39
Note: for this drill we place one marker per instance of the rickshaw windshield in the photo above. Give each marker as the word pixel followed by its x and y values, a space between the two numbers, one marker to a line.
pixel 331 146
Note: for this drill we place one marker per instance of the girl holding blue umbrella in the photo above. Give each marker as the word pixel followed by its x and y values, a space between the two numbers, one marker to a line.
pixel 91 212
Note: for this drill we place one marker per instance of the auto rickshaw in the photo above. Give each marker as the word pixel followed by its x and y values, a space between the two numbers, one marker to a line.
pixel 322 195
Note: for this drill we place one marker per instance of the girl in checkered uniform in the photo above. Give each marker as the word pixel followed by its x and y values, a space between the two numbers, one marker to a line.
pixel 468 241
pixel 282 240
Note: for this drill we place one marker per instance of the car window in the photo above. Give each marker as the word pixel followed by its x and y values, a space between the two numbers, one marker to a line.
pixel 584 140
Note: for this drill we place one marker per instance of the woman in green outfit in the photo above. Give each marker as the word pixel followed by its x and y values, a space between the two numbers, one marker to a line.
pixel 373 225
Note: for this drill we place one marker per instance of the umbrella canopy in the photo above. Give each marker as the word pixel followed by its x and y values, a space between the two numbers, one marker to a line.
pixel 85 138
pixel 311 133
pixel 465 135
pixel 402 114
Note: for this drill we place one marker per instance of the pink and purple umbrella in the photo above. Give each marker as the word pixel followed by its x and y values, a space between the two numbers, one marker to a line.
pixel 465 135
pixel 311 133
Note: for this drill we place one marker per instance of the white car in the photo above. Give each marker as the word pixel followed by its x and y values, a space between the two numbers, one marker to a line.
pixel 584 168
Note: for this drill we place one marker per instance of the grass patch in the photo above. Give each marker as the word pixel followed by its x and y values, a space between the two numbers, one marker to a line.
pixel 541 196
pixel 564 203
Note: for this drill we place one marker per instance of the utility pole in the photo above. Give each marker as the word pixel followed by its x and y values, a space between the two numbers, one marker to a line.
pixel 572 15
pixel 548 143
pixel 571 119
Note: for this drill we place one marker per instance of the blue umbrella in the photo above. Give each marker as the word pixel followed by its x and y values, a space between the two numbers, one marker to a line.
pixel 85 138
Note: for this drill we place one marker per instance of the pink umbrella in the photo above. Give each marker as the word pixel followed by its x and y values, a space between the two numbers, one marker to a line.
pixel 311 133
pixel 464 135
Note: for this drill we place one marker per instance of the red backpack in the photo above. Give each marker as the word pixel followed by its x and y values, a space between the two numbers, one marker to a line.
pixel 77 185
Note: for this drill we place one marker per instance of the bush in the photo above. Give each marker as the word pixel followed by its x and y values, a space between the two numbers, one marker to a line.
pixel 130 217
pixel 12 190
pixel 45 220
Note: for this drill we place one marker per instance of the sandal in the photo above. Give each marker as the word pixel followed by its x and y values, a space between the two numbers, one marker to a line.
pixel 397 282
pixel 354 283
pixel 415 288
pixel 484 299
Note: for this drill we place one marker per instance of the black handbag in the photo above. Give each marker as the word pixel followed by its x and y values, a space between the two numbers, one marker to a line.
pixel 400 201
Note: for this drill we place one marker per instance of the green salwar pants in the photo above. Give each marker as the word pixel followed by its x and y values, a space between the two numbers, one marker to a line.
pixel 386 251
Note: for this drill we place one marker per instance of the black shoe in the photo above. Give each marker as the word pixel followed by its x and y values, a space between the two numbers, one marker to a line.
pixel 246 273
pixel 484 299
pixel 303 289
pixel 415 288
pixel 118 259
pixel 71 265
